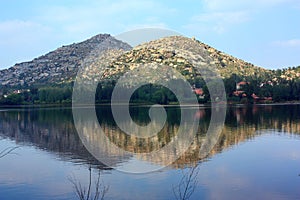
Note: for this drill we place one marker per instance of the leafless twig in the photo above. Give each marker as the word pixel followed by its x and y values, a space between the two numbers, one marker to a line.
pixel 7 151
pixel 187 184
pixel 84 193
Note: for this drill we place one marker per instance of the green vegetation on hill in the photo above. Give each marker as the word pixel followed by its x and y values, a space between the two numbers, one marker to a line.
pixel 280 90
pixel 55 94
pixel 277 88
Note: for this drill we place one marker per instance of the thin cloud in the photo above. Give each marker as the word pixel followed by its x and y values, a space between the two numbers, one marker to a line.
pixel 219 15
pixel 81 20
pixel 230 5
pixel 109 15
pixel 23 40
pixel 218 22
pixel 11 29
pixel 288 43
pixel 223 17
pixel 23 33
pixel 56 24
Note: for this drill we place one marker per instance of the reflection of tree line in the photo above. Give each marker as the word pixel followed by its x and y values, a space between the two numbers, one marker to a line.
pixel 281 117
pixel 53 130
pixel 139 145
pixel 243 124
pixel 49 129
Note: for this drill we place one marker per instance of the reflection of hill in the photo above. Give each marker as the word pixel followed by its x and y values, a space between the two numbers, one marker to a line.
pixel 48 129
pixel 244 123
pixel 53 130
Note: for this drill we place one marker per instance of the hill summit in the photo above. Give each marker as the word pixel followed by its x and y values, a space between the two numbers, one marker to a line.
pixel 58 69
pixel 58 66
pixel 179 52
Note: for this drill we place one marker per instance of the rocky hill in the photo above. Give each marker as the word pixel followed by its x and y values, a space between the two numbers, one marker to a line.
pixel 61 65
pixel 58 66
pixel 229 65
pixel 188 56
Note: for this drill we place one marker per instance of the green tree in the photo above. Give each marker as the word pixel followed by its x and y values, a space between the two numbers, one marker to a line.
pixel 12 99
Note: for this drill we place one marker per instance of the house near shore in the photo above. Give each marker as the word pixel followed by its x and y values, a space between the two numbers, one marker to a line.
pixel 199 92
pixel 239 92
pixel 240 85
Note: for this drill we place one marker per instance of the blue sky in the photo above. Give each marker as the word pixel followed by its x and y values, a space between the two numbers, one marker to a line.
pixel 263 32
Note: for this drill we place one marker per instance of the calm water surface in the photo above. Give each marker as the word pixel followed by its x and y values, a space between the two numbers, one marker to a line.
pixel 257 156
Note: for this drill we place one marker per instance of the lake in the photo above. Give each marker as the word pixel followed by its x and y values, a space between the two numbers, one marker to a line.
pixel 255 155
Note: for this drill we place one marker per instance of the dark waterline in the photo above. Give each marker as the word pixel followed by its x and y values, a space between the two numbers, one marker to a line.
pixel 257 156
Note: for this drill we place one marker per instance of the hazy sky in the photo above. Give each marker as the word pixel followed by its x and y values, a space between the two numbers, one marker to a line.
pixel 263 32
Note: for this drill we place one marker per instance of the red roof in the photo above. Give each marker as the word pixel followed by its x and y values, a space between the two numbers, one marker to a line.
pixel 254 96
pixel 199 91
pixel 238 93
pixel 243 83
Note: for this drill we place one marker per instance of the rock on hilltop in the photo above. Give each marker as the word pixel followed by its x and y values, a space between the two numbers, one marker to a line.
pixel 58 66
pixel 185 55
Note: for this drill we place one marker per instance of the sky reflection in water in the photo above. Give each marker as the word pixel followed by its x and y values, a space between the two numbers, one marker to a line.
pixel 257 157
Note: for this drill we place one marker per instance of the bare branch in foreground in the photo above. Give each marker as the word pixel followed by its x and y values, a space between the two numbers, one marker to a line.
pixel 7 151
pixel 187 184
pixel 84 193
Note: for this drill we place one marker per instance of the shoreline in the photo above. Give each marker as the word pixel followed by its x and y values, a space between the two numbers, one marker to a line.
pixel 144 105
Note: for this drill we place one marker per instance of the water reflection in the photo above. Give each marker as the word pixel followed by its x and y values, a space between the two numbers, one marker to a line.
pixel 47 129
pixel 53 130
pixel 50 151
